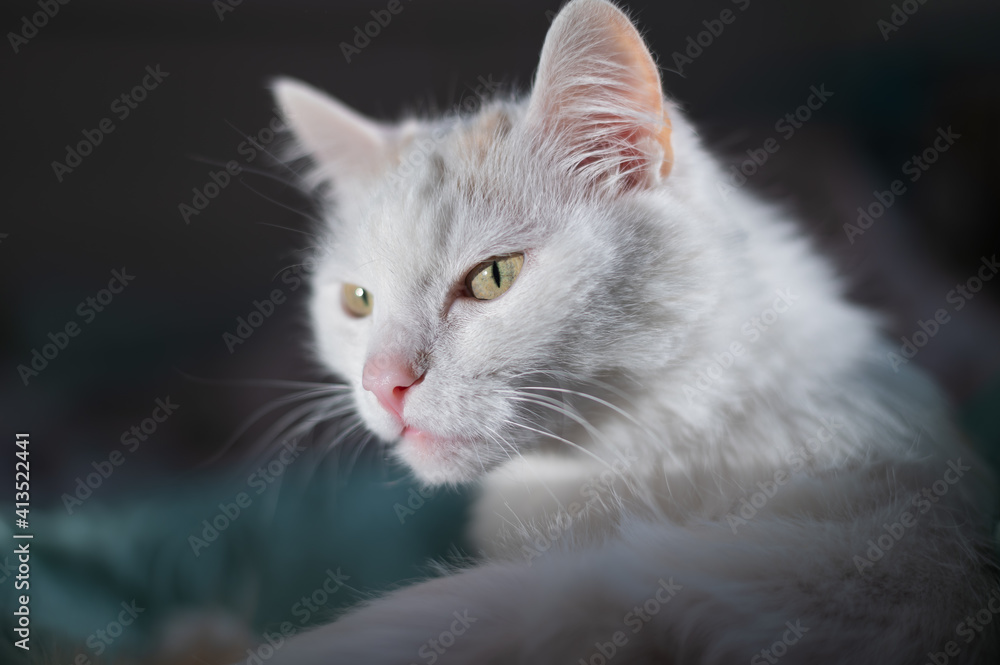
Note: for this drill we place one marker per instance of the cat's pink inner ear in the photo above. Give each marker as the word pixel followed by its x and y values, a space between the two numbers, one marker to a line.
pixel 598 87
pixel 343 142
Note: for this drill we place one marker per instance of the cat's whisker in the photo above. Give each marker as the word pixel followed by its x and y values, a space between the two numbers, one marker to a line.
pixel 305 264
pixel 290 229
pixel 501 441
pixel 565 411
pixel 280 162
pixel 602 402
pixel 255 417
pixel 573 377
pixel 311 466
pixel 298 420
pixel 651 436
pixel 278 203
pixel 520 525
pixel 556 437
pixel 501 444
pixel 482 467
pixel 358 446
pixel 568 412
pixel 535 399
pixel 569 378
pixel 293 433
pixel 245 167
pixel 348 426
pixel 265 383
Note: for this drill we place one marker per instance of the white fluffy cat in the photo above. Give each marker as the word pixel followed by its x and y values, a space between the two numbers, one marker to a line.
pixel 691 447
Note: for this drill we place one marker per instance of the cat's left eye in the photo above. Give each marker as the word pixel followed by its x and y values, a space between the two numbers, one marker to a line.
pixel 357 300
pixel 492 278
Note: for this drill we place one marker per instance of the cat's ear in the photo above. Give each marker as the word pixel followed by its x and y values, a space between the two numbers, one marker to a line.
pixel 597 91
pixel 344 144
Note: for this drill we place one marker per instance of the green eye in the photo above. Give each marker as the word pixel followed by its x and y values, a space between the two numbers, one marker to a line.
pixel 492 278
pixel 357 301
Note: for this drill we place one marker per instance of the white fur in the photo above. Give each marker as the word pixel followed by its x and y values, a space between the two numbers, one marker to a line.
pixel 630 293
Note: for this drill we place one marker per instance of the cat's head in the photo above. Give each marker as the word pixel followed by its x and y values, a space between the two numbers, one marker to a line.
pixel 477 262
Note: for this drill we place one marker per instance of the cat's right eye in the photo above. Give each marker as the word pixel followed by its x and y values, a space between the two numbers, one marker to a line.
pixel 357 300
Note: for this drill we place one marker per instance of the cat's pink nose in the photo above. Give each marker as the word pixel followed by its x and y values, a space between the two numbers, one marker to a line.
pixel 389 378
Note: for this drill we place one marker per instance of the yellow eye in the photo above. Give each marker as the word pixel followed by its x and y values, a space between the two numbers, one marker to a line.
pixel 357 301
pixel 492 278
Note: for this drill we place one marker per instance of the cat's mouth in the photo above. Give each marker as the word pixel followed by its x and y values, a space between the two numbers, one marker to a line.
pixel 437 459
pixel 417 437
pixel 425 442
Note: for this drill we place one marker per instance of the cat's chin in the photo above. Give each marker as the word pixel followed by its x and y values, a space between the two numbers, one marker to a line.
pixel 436 460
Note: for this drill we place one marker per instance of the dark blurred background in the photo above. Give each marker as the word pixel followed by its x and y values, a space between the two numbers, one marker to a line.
pixel 895 83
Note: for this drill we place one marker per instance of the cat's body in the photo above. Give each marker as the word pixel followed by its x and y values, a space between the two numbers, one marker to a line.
pixel 673 407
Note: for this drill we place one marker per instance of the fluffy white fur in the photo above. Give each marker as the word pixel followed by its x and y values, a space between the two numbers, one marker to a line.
pixel 609 356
